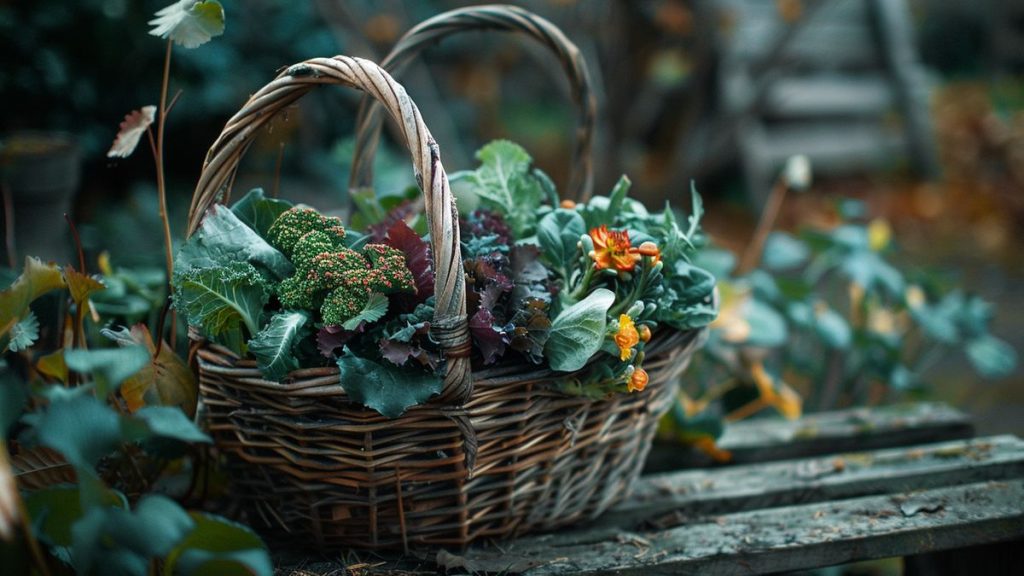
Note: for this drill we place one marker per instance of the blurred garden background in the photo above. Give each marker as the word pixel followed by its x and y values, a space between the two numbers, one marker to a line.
pixel 911 113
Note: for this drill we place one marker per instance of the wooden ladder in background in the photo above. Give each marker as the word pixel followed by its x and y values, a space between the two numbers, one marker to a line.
pixel 836 80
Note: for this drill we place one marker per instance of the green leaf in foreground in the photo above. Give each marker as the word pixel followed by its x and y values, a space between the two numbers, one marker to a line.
pixel 274 346
pixel 219 547
pixel 258 212
pixel 577 333
pixel 386 389
pixel 171 423
pixel 225 302
pixel 25 333
pixel 224 239
pixel 109 367
pixel 81 428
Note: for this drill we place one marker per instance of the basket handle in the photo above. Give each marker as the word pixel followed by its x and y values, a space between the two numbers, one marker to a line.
pixel 449 326
pixel 489 17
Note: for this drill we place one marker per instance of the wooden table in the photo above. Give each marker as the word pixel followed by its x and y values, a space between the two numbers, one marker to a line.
pixel 899 482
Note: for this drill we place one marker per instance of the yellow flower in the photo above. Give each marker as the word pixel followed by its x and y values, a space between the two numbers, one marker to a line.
pixel 612 249
pixel 638 381
pixel 879 234
pixel 626 337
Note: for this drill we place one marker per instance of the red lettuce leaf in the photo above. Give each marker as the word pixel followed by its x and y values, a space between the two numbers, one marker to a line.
pixel 417 256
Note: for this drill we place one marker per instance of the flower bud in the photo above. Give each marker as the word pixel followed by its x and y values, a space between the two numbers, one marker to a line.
pixel 797 173
pixel 645 333
pixel 567 204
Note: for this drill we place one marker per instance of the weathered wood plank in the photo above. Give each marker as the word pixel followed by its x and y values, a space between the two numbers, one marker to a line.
pixel 789 538
pixel 829 95
pixel 857 429
pixel 664 498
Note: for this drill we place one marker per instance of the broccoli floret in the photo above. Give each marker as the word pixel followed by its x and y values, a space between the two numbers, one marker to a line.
pixel 344 303
pixel 313 244
pixel 390 273
pixel 296 222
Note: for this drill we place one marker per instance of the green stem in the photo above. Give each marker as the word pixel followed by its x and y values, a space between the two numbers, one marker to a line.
pixel 161 187
pixel 581 290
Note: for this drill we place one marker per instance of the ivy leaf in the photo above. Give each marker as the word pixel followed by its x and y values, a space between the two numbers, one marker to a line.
pixel 224 239
pixel 218 547
pixel 559 234
pixel 81 428
pixel 165 381
pixel 417 257
pixel 25 333
pixel 222 301
pixel 109 367
pixel 258 212
pixel 578 331
pixel 190 23
pixel 274 345
pixel 375 309
pixel 991 357
pixel 131 130
pixel 35 280
pixel 387 389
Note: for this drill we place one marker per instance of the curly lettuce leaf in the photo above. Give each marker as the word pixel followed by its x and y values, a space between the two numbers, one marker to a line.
pixel 224 239
pixel 225 302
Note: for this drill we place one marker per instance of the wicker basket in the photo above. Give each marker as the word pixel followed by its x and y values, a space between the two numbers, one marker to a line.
pixel 499 452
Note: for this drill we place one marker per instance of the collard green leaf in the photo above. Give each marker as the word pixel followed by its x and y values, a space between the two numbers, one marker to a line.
pixel 274 346
pixel 783 251
pixel 25 333
pixel 505 182
pixel 375 309
pixel 223 239
pixel 219 547
pixel 578 331
pixel 258 212
pixel 387 389
pixel 559 234
pixel 991 357
pixel 226 302
pixel 109 367
pixel 36 279
pixel 81 428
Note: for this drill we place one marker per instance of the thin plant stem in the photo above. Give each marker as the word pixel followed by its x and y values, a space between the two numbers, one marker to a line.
pixel 78 243
pixel 161 187
pixel 12 255
pixel 752 255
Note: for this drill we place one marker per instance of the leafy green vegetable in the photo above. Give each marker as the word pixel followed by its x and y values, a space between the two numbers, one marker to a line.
pixel 387 389
pixel 25 333
pixel 504 181
pixel 225 302
pixel 559 234
pixel 218 547
pixel 578 331
pixel 258 212
pixel 274 346
pixel 223 239
pixel 171 423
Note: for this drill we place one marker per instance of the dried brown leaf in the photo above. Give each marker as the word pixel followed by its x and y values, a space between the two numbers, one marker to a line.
pixel 41 467
pixel 131 130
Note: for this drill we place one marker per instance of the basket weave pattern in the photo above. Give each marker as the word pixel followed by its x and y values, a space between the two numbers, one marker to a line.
pixel 313 464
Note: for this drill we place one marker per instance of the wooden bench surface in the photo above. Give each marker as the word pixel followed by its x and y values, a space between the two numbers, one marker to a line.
pixel 808 512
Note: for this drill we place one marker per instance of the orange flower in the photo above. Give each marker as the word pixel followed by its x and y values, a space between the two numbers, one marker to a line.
pixel 638 381
pixel 613 250
pixel 626 337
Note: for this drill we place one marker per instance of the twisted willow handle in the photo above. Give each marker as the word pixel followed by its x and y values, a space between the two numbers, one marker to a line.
pixel 449 325
pixel 490 17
